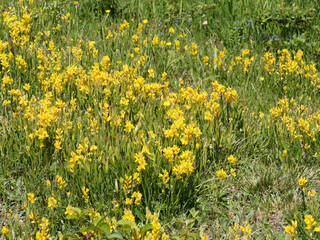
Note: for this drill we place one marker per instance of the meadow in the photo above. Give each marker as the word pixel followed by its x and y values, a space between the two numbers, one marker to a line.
pixel 171 119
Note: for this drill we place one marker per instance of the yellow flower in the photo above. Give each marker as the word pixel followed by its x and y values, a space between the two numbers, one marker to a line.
pixel 137 196
pixel 165 176
pixel 20 62
pixel 203 236
pixel 61 183
pixel 43 234
pixel 31 216
pixel 232 159
pixel 261 115
pixel 151 73
pixel 31 198
pixel 26 87
pixel 5 230
pixel 171 30
pixel 155 40
pixel 311 193
pixel 69 210
pixel 52 203
pixel 164 76
pixel 94 214
pixel 289 230
pixel 85 193
pixel 302 181
pixel 294 224
pixel 128 127
pixel 194 48
pixel 183 35
pixel 6 102
pixel 128 215
pixel 232 172
pixel 308 219
pixel 145 21
pixel 151 134
pixel 284 153
pixel 221 174
pixel 124 101
pixel 186 165
pixel 140 159
pixel 246 228
pixel 128 201
pixel 208 116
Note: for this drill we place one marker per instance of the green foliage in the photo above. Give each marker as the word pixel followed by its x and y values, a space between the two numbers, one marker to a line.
pixel 286 21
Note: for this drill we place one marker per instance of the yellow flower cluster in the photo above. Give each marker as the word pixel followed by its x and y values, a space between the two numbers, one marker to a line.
pixel 43 234
pixel 240 231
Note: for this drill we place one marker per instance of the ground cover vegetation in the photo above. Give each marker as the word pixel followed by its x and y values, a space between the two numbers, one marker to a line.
pixel 159 119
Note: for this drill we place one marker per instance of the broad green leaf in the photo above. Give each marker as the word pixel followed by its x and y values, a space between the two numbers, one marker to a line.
pixel 146 228
pixel 115 236
pixel 126 227
pixel 98 220
pixel 123 222
pixel 72 217
pixel 76 210
pixel 91 227
pixel 105 227
pixel 84 212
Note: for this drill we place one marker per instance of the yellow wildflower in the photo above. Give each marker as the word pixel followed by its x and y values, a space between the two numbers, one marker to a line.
pixel 5 230
pixel 221 174
pixel 302 181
